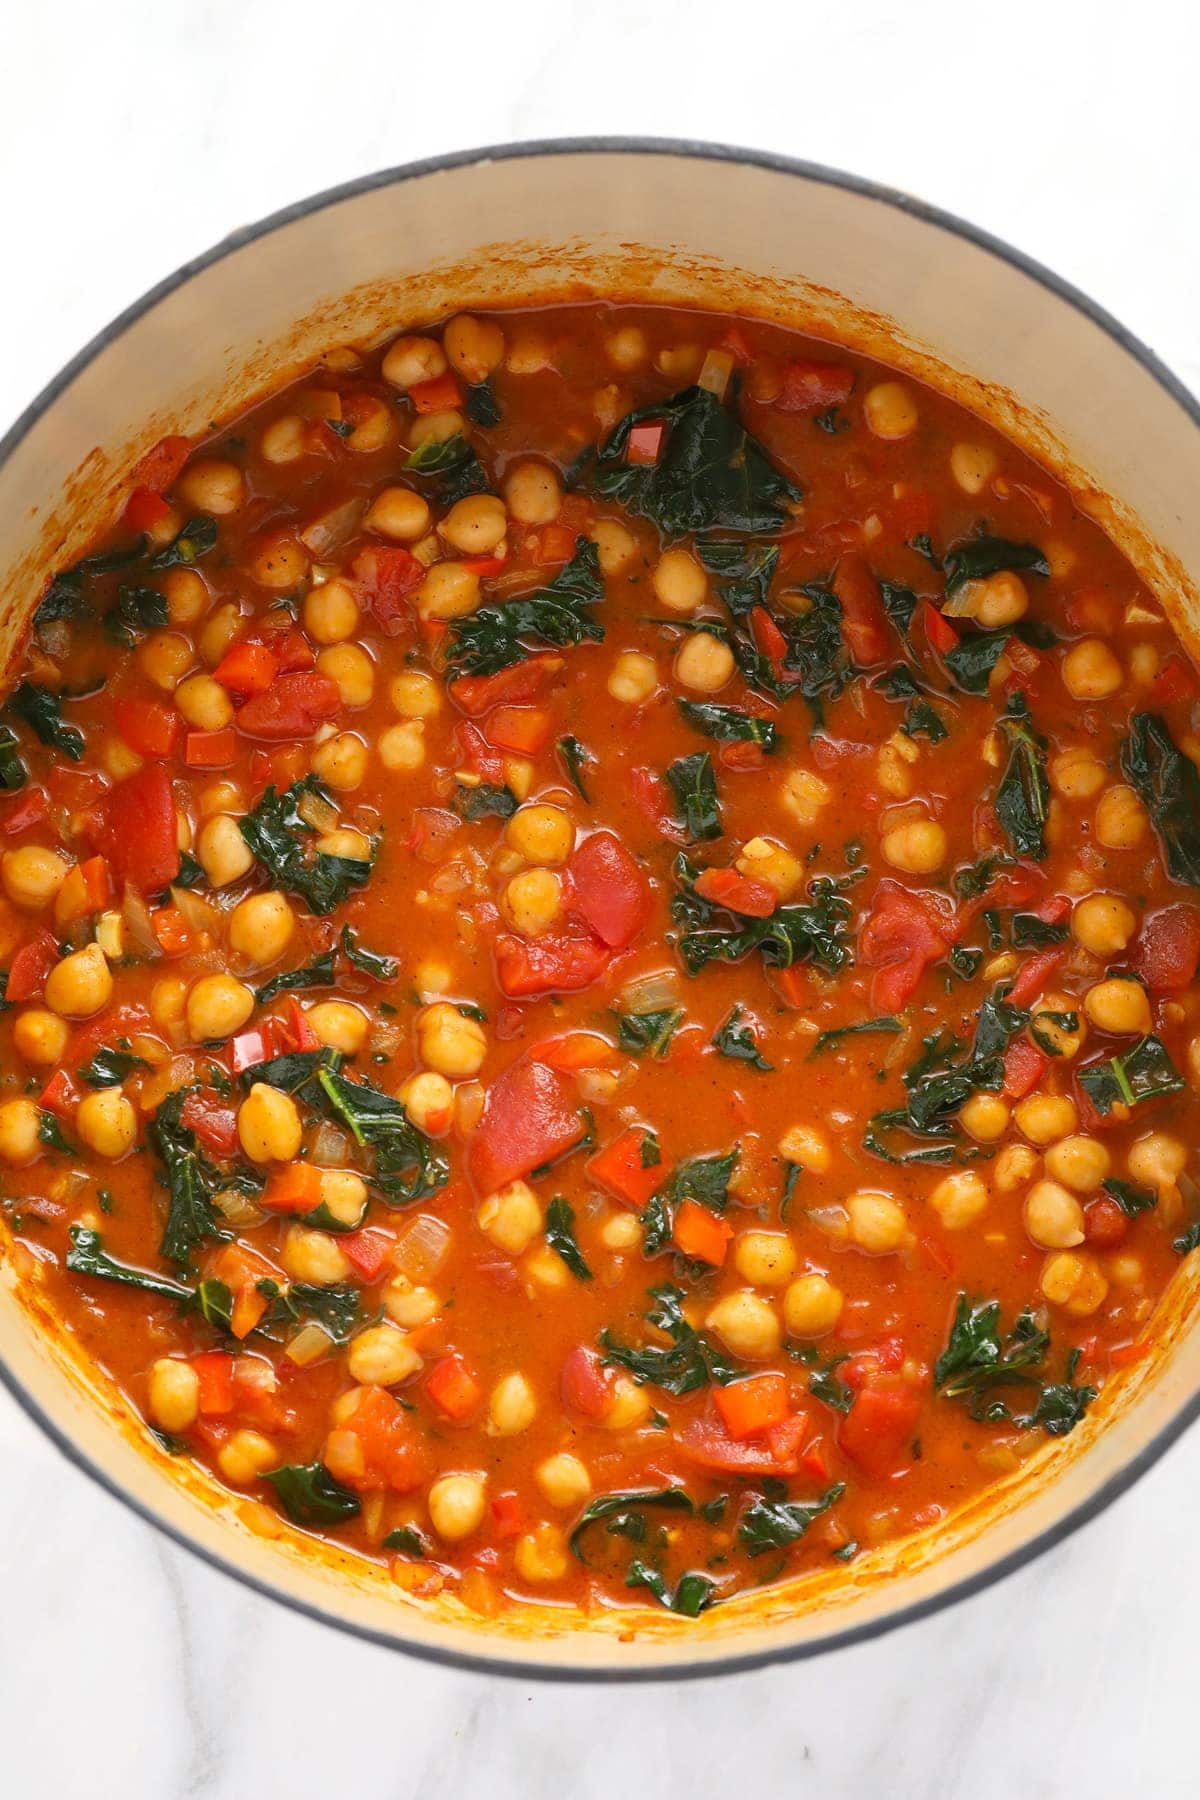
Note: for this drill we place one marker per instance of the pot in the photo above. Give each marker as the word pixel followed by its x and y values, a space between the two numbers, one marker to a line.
pixel 680 223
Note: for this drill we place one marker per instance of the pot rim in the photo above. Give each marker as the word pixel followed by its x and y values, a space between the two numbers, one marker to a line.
pixel 674 1667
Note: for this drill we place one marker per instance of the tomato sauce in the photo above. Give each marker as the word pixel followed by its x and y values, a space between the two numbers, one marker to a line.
pixel 601 955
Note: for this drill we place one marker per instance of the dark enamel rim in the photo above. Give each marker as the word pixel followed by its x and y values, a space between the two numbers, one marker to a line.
pixel 679 1667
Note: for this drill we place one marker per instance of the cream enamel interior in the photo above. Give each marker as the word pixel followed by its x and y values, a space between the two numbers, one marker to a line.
pixel 682 227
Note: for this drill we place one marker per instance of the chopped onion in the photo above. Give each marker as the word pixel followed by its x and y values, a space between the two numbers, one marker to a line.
pixel 320 813
pixel 715 371
pixel 238 1209
pixel 136 915
pixel 964 603
pixel 200 914
pixel 329 529
pixel 309 1345
pixel 330 1147
pixel 422 1247
pixel 654 992
pixel 892 817
pixel 385 1036
pixel 834 1220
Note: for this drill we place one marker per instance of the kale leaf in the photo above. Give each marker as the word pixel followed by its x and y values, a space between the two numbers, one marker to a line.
pixel 691 1361
pixel 738 1042
pixel 1023 797
pixel 278 836
pixel 729 724
pixel 1145 1072
pixel 1167 784
pixel 773 1522
pixel 628 1500
pixel 559 614
pixel 697 804
pixel 42 712
pixel 191 1183
pixel 310 1495
pixel 975 558
pixel 560 1235
pixel 638 1033
pixel 812 930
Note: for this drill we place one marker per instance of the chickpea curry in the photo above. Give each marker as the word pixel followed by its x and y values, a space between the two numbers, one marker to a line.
pixel 601 943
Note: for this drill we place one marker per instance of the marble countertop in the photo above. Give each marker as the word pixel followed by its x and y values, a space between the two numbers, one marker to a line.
pixel 130 138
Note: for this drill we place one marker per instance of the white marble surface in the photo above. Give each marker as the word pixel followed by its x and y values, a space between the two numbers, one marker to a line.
pixel 134 135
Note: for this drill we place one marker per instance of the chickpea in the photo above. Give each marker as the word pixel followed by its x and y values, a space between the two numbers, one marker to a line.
pixel 456 1505
pixel 511 1218
pixel 409 1304
pixel 1119 1006
pixel 1076 774
pixel 1045 1118
pixel 261 927
pixel 398 513
pixel 313 1256
pixel 415 695
pixel 331 612
pixel 621 1231
pixel 449 591
pixel 703 663
pixel 1121 820
pixel 174 1397
pixel 629 1406
pixel 804 795
pixel 186 596
pixel 877 1223
pixel 343 1195
pixel 627 349
pixel 436 428
pixel 512 1406
pixel 766 1258
pixel 20 1142
pixel 615 546
pixel 222 851
pixel 812 1306
pixel 402 747
pixel 633 678
pixel 218 633
pixel 1090 671
pixel 545 1268
pixel 1078 1162
pixel 1103 924
pixel 918 848
pixel 165 658
pixel 340 1025
pixel 972 466
pixel 280 563
pixel 475 525
pixel 245 1456
pixel 204 703
pixel 474 346
pixel 959 1200
pixel 1072 1279
pixel 1053 1216
pixel 412 360
pixel 563 1480
pixel 341 762
pixel 283 440
pixel 998 600
pixel 268 1123
pixel 217 1006
pixel 381 1356
pixel 212 486
pixel 984 1117
pixel 746 1324
pixel 352 669
pixel 168 1002
pixel 679 581
pixel 1156 1159
pixel 450 1043
pixel 541 834
pixel 890 410
pixel 540 1555
pixel 533 493
pixel 762 859
pixel 40 1036
pixel 1013 1168
pixel 32 875
pixel 106 1122
pixel 805 1145
pixel 532 901
pixel 81 984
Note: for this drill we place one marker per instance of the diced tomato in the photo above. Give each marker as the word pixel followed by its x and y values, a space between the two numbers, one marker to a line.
pixel 367 1250
pixel 864 623
pixel 86 890
pixel 1176 680
pixel 249 1047
pixel 242 1269
pixel 211 749
pixel 585 1385
pixel 577 1050
pixel 388 573
pixel 1167 952
pixel 552 543
pixel 144 509
pixel 58 1095
pixel 215 1126
pixel 609 888
pixel 768 638
pixel 452 1387
pixel 644 442
pixel 650 796
pixel 214 1369
pixel 300 1033
pixel 175 936
pixel 291 650
pixel 136 830
pixel 1024 1066
pixel 483 760
pixel 523 730
pixel 621 1167
pixel 877 1431
pixel 707 1443
pixel 562 961
pixel 26 812
pixel 1104 1224
pixel 749 1406
pixel 808 385
pixel 392 1453
pixel 477 694
pixel 741 758
pixel 159 468
pixel 292 708
pixel 793 984
pixel 939 631
pixel 247 668
pixel 740 893
pixel 902 935
pixel 441 394
pixel 296 1187
pixel 529 1118
pixel 1034 975
pixel 148 726
pixel 701 1234
pixel 508 1515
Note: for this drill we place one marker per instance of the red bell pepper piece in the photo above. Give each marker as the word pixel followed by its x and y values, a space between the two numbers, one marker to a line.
pixel 864 623
pixel 211 749
pixel 739 893
pixel 368 1250
pixel 939 631
pixel 1034 975
pixel 1024 1066
pixel 441 394
pixel 247 668
pixel 215 1371
pixel 749 1406
pixel 215 1125
pixel 621 1167
pixel 148 726
pixel 644 443
pixel 452 1387
pixel 159 468
pixel 700 1234
pixel 144 509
